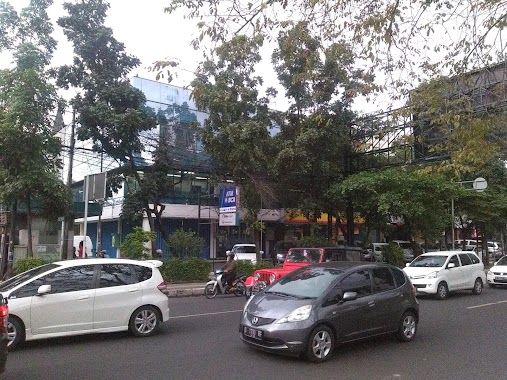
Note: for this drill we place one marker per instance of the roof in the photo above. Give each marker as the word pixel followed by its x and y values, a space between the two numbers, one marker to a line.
pixel 443 253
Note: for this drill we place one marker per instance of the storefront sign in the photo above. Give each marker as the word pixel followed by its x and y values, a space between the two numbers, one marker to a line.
pixel 229 200
pixel 229 219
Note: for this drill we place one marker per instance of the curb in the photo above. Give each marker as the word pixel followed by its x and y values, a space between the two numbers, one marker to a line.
pixel 185 292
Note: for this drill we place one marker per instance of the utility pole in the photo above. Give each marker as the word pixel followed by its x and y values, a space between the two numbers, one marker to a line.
pixel 69 221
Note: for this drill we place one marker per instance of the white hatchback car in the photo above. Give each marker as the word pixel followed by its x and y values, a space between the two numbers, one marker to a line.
pixel 497 274
pixel 442 272
pixel 86 296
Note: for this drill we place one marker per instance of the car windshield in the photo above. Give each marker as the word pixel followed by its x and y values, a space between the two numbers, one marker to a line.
pixel 502 261
pixel 308 282
pixel 429 261
pixel 303 255
pixel 11 283
pixel 245 249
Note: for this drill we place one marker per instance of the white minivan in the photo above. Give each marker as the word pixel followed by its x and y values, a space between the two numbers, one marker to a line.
pixel 89 245
pixel 439 273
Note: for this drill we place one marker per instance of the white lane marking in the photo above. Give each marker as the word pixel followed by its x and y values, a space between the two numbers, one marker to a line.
pixel 205 314
pixel 486 304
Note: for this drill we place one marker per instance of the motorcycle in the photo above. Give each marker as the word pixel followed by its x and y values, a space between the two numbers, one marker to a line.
pixel 217 285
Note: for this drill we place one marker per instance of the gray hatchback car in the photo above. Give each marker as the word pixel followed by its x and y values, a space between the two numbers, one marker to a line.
pixel 312 309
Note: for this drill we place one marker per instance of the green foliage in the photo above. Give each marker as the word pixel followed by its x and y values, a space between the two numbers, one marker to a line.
pixel 133 246
pixel 22 265
pixel 185 244
pixel 313 241
pixel 393 254
pixel 186 270
pixel 246 267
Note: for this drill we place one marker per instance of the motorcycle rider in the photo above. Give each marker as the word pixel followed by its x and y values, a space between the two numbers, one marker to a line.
pixel 230 269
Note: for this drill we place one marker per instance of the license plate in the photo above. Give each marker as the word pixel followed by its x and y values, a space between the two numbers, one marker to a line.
pixel 252 333
pixel 501 279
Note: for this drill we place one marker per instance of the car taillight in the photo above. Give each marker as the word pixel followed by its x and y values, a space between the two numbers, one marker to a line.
pixel 4 315
pixel 163 288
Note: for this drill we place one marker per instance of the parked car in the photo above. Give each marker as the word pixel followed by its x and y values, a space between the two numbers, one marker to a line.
pixel 297 258
pixel 245 252
pixel 497 274
pixel 376 251
pixel 406 246
pixel 86 296
pixel 312 309
pixel 4 336
pixel 439 273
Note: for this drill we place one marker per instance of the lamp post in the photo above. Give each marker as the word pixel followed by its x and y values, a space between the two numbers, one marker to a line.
pixel 479 185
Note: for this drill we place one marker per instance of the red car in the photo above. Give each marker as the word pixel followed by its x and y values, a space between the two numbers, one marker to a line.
pixel 4 337
pixel 297 258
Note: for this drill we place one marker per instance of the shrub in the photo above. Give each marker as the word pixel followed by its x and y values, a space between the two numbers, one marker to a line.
pixel 22 265
pixel 246 267
pixel 185 270
pixel 133 246
pixel 185 244
pixel 393 254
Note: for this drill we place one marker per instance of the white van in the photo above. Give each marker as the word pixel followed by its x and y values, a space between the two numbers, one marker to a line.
pixel 89 245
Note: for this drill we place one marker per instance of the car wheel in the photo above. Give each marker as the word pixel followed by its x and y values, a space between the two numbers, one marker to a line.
pixel 477 286
pixel 15 332
pixel 408 327
pixel 240 289
pixel 144 321
pixel 210 291
pixel 442 291
pixel 320 344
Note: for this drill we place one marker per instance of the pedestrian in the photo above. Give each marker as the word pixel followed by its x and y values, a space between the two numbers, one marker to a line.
pixel 103 254
pixel 80 250
pixel 158 253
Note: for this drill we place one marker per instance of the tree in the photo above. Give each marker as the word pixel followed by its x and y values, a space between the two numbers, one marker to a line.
pixel 420 199
pixel 236 132
pixel 112 113
pixel 134 245
pixel 185 244
pixel 404 39
pixel 30 163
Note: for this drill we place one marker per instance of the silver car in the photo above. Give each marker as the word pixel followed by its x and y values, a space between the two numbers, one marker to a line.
pixel 310 310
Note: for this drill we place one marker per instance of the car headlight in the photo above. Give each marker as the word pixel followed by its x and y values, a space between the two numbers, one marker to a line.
pixel 272 278
pixel 300 314
pixel 256 276
pixel 490 273
pixel 432 275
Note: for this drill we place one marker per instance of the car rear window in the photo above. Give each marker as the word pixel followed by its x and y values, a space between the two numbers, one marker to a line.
pixel 399 276
pixel 142 273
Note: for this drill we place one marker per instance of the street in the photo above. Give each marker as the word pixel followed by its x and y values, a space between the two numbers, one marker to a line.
pixel 458 338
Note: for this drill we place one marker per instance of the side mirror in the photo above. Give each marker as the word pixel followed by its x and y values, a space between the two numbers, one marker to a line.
pixel 349 296
pixel 450 265
pixel 43 289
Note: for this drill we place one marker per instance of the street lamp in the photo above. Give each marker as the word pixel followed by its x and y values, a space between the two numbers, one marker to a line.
pixel 479 185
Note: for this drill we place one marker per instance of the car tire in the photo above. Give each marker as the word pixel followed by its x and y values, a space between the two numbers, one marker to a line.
pixel 408 327
pixel 320 344
pixel 144 321
pixel 478 285
pixel 16 333
pixel 442 291
pixel 210 291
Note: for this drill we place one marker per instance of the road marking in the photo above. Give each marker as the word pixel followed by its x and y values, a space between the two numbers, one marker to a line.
pixel 486 304
pixel 205 314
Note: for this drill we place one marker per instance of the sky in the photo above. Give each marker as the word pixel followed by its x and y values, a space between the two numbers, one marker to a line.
pixel 150 34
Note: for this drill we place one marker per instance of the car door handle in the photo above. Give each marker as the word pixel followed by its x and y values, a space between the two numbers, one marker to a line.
pixel 371 303
pixel 83 297
pixel 133 290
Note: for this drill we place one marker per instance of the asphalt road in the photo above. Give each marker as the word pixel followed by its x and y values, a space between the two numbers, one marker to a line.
pixel 459 338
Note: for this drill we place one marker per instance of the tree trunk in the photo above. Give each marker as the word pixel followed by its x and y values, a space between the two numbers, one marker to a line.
pixel 29 246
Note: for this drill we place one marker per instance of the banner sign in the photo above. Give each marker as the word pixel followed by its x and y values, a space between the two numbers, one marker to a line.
pixel 229 200
pixel 229 219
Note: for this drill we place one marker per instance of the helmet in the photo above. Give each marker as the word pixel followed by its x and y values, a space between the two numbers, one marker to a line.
pixel 230 253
